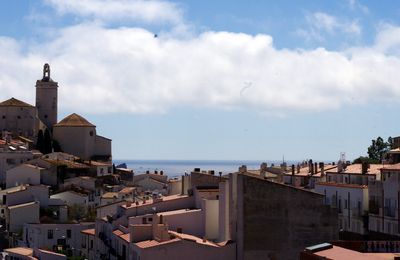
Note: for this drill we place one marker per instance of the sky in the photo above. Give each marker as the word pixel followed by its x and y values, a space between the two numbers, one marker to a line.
pixel 213 80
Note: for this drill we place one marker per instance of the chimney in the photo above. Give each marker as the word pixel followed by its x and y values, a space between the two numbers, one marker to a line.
pixel 211 172
pixel 161 219
pixel 315 168
pixel 311 171
pixel 321 165
pixel 196 170
pixel 310 166
pixel 298 168
pixel 263 170
pixel 364 167
pixel 292 169
pixel 179 230
pixel 155 172
pixel 128 203
pixel 243 169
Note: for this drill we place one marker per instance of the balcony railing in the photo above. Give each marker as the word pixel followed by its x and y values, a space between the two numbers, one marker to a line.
pixel 373 207
pixel 390 212
pixel 356 212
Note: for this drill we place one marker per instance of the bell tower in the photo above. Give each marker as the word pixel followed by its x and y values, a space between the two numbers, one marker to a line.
pixel 46 98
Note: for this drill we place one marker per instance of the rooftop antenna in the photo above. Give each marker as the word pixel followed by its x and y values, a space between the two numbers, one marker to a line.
pixel 343 157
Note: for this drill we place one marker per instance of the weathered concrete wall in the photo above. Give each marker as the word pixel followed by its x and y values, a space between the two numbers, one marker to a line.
pixel 279 221
pixel 204 180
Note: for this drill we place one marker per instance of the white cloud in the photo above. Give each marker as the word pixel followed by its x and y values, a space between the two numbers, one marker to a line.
pixel 320 24
pixel 128 70
pixel 323 21
pixel 155 11
pixel 356 5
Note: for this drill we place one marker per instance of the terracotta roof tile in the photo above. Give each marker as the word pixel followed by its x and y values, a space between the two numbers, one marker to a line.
pixel 90 231
pixel 118 232
pixel 13 102
pixel 24 251
pixel 152 243
pixel 74 120
pixel 345 185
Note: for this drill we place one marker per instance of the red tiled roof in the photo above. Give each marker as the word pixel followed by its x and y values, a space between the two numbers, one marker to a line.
pixel 118 232
pixel 74 120
pixel 90 231
pixel 345 185
pixel 152 243
pixel 126 237
pixel 340 253
pixel 391 167
pixel 13 102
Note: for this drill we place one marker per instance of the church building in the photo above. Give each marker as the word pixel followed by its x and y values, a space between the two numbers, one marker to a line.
pixel 74 133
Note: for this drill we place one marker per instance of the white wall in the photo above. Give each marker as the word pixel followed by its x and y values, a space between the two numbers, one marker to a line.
pixel 36 235
pixel 21 120
pixel 23 174
pixel 175 187
pixel 17 216
pixel 102 146
pixel 71 198
pixel 11 159
pixel 211 219
pixel 30 193
pixel 76 140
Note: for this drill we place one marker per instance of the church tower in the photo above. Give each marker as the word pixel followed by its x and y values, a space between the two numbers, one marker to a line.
pixel 46 98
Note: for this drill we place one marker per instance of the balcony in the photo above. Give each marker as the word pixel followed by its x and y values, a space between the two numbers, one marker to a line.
pixel 356 213
pixel 390 212
pixel 374 207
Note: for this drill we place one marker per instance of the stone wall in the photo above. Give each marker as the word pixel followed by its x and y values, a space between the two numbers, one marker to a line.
pixel 279 221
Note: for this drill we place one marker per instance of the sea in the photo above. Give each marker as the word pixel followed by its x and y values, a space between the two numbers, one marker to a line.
pixel 177 168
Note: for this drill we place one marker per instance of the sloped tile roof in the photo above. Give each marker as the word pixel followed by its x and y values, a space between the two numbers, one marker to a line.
pixel 74 120
pixel 13 102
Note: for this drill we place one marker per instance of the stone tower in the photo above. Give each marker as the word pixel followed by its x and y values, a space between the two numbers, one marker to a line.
pixel 46 98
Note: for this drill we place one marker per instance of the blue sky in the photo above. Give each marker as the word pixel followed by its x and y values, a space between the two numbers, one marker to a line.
pixel 222 80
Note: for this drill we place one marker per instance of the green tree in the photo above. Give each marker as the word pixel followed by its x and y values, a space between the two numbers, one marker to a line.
pixel 39 141
pixel 76 212
pixel 363 159
pixel 56 146
pixel 378 149
pixel 47 146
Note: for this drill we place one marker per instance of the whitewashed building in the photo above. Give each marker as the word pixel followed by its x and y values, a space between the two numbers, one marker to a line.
pixel 384 198
pixel 351 201
pixel 24 174
pixel 51 236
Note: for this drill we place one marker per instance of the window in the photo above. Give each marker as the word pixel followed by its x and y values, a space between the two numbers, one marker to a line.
pixel 69 233
pixel 45 116
pixel 4 117
pixel 50 234
pixel 91 244
pixel 91 133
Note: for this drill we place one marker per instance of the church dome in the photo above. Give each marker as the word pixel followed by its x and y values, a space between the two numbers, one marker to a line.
pixel 13 102
pixel 74 120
